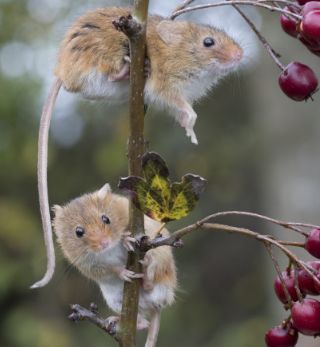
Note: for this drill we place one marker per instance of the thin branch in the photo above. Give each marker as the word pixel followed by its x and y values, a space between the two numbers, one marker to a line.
pixel 175 239
pixel 277 268
pixel 80 313
pixel 274 55
pixel 261 3
pixel 296 283
pixel 284 224
pixel 292 243
pixel 183 5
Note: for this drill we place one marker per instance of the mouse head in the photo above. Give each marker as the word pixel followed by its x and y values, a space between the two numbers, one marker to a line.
pixel 91 224
pixel 205 46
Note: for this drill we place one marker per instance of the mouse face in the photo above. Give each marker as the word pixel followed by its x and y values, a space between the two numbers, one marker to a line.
pixel 199 47
pixel 91 224
pixel 217 49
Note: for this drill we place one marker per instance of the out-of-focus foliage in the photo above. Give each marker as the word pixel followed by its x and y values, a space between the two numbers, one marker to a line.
pixel 222 300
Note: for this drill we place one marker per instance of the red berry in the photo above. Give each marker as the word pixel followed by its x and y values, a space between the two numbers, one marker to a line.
pixel 310 6
pixel 306 282
pixel 312 244
pixel 315 51
pixel 288 24
pixel 310 25
pixel 289 282
pixel 310 44
pixel 298 81
pixel 303 2
pixel 306 316
pixel 281 337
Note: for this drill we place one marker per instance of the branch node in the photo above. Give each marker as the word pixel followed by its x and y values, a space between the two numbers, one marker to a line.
pixel 108 325
pixel 178 243
pixel 128 25
pixel 144 243
pixel 94 308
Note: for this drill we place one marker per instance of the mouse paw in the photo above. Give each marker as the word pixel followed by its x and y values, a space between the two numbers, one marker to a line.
pixel 142 323
pixel 187 119
pixel 128 275
pixel 122 75
pixel 190 133
pixel 128 241
pixel 112 324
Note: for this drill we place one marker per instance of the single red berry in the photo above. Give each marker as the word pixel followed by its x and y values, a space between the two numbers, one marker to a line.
pixel 298 81
pixel 289 24
pixel 315 51
pixel 310 44
pixel 313 46
pixel 306 316
pixel 303 2
pixel 312 244
pixel 310 25
pixel 310 6
pixel 281 337
pixel 290 284
pixel 306 282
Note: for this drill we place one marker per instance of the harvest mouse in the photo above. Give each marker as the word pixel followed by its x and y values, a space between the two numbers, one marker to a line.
pixel 186 60
pixel 92 231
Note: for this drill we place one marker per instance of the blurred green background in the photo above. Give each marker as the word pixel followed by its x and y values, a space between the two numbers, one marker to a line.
pixel 258 150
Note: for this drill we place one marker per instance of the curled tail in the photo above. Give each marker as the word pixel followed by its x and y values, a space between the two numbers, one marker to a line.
pixel 43 183
pixel 153 329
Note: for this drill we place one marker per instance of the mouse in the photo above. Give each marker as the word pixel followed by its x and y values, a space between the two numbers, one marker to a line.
pixel 92 231
pixel 185 60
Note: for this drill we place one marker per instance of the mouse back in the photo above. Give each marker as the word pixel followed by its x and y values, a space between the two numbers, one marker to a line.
pixel 92 40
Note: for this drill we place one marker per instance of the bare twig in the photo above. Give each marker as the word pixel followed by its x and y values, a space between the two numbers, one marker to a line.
pixel 183 5
pixel 296 283
pixel 80 313
pixel 277 268
pixel 288 225
pixel 175 239
pixel 274 55
pixel 261 3
pixel 292 243
pixel 285 224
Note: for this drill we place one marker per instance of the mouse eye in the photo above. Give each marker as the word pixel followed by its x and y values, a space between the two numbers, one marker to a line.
pixel 79 231
pixel 208 42
pixel 105 219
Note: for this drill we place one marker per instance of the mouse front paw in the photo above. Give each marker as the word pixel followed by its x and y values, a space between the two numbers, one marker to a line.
pixel 128 275
pixel 112 325
pixel 190 133
pixel 128 241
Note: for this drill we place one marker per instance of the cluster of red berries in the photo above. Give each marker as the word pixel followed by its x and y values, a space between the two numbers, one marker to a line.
pixel 297 80
pixel 305 312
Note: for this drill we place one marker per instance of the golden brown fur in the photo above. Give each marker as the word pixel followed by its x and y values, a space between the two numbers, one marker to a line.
pixel 86 212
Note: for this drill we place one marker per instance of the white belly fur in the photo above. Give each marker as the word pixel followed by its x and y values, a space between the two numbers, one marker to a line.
pixel 157 298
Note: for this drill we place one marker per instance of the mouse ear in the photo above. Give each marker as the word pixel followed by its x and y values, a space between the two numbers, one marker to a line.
pixel 170 31
pixel 56 209
pixel 104 191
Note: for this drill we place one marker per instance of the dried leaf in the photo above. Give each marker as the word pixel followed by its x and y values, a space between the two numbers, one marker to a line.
pixel 156 197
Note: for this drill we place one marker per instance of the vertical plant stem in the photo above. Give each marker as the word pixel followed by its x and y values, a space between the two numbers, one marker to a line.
pixel 136 147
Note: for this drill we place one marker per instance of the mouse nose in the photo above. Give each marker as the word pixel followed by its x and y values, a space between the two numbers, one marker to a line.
pixel 237 54
pixel 104 243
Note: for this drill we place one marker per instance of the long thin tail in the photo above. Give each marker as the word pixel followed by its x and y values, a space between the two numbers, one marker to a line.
pixel 43 183
pixel 153 329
